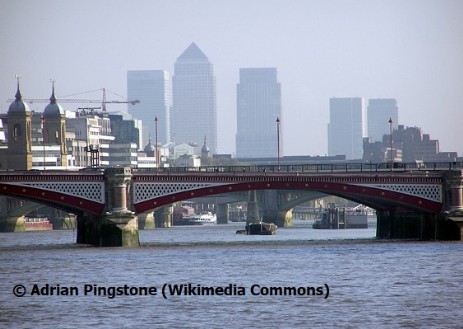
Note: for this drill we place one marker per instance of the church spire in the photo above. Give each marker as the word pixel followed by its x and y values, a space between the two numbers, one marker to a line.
pixel 52 98
pixel 18 93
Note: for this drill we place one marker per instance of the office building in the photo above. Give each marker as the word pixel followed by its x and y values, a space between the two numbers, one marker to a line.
pixel 125 129
pixel 153 89
pixel 347 127
pixel 258 99
pixel 409 145
pixel 194 110
pixel 379 112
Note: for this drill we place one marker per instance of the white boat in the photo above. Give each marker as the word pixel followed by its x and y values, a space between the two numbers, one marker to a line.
pixel 203 218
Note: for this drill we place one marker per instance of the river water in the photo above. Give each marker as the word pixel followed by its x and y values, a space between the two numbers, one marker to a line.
pixel 210 277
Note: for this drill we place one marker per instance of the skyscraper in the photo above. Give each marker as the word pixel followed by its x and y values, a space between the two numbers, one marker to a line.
pixel 258 102
pixel 153 89
pixel 379 112
pixel 347 127
pixel 194 111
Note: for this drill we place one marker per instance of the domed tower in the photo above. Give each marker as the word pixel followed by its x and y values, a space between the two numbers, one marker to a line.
pixel 19 134
pixel 54 121
pixel 149 148
pixel 205 150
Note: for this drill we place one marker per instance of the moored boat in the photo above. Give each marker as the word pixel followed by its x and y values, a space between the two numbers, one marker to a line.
pixel 38 224
pixel 261 228
pixel 203 218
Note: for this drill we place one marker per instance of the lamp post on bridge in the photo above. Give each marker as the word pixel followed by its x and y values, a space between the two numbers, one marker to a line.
pixel 278 143
pixel 156 141
pixel 43 140
pixel 390 141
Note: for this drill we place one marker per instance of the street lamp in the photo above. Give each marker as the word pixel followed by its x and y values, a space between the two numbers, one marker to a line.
pixel 156 141
pixel 390 141
pixel 43 140
pixel 278 142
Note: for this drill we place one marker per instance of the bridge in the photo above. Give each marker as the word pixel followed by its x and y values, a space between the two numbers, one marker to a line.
pixel 411 201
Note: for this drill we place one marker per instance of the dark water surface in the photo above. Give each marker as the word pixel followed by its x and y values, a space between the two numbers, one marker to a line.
pixel 299 278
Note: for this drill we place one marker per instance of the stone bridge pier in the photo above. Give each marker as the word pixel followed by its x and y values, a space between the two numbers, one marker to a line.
pixel 395 223
pixel 454 185
pixel 163 216
pixel 271 212
pixel 223 216
pixel 118 226
pixel 10 220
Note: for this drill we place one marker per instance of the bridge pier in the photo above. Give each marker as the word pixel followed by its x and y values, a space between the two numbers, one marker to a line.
pixel 222 213
pixel 111 230
pixel 118 227
pixel 146 221
pixel 454 217
pixel 271 213
pixel 119 230
pixel 63 223
pixel 163 216
pixel 415 225
pixel 11 220
pixel 253 209
pixel 12 224
pixel 281 218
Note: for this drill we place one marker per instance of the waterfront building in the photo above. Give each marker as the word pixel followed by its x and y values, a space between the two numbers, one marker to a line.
pixel 54 131
pixel 147 158
pixel 194 110
pixel 125 129
pixel 379 112
pixel 409 144
pixel 185 149
pixel 188 161
pixel 153 89
pixel 258 100
pixel 123 154
pixel 19 118
pixel 93 131
pixel 347 127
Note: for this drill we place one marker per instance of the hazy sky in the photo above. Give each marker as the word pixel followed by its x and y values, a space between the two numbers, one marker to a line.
pixel 409 50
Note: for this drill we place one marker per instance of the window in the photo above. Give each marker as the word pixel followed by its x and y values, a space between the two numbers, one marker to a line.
pixel 17 133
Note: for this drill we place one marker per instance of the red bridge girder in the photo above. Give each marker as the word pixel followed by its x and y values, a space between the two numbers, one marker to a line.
pixel 21 185
pixel 349 186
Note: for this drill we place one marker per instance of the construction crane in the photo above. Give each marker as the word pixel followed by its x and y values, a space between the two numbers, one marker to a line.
pixel 69 100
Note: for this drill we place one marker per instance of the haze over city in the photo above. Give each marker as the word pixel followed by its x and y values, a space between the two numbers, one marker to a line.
pixel 407 50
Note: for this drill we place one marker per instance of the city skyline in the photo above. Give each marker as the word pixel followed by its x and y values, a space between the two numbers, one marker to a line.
pixel 409 51
pixel 258 98
pixel 347 127
pixel 194 107
pixel 379 112
pixel 153 89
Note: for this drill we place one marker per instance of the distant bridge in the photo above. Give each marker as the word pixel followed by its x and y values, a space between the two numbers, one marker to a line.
pixel 116 195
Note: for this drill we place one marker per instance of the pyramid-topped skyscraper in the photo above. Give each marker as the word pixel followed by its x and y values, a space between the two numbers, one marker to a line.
pixel 194 110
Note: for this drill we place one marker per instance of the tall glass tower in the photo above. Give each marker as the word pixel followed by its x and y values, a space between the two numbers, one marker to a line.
pixel 347 127
pixel 194 111
pixel 379 113
pixel 258 98
pixel 153 89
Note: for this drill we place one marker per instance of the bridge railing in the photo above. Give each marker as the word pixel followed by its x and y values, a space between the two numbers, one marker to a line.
pixel 316 168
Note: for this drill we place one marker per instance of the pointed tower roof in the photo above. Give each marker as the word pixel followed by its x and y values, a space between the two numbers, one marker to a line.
pixel 149 148
pixel 53 109
pixel 18 106
pixel 192 53
pixel 205 149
